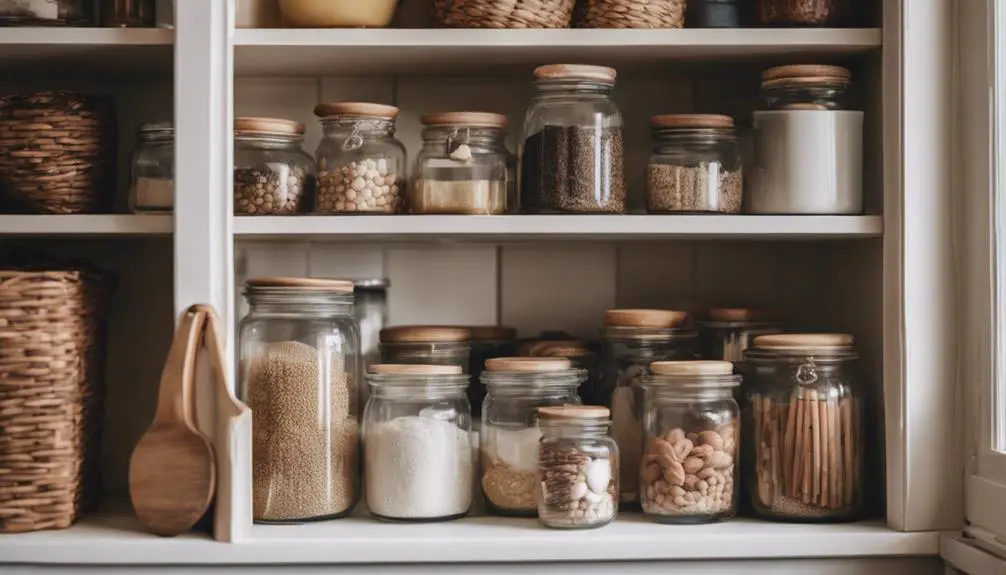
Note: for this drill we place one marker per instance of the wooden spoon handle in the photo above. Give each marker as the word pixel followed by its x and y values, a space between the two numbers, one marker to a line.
pixel 214 342
pixel 174 401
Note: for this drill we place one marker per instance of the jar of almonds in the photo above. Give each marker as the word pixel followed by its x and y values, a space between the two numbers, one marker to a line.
pixel 273 175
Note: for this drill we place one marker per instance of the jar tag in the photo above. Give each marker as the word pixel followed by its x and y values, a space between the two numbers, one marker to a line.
pixel 354 140
pixel 806 374
pixel 457 148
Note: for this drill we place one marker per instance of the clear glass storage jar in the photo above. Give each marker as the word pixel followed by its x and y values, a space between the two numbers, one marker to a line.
pixel 692 423
pixel 298 371
pixel 46 12
pixel 152 170
pixel 635 338
pixel 806 87
pixel 463 167
pixel 371 308
pixel 431 344
pixel 487 342
pixel 128 13
pixel 273 175
pixel 509 435
pixel 417 443
pixel 582 354
pixel 572 152
pixel 805 441
pixel 695 165
pixel 577 467
pixel 361 165
pixel 730 331
pixel 833 13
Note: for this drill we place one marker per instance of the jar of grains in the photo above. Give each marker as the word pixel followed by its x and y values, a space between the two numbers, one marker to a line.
pixel 152 173
pixel 299 364
pixel 577 467
pixel 635 338
pixel 571 159
pixel 417 443
pixel 463 166
pixel 804 12
pixel 695 165
pixel 806 87
pixel 488 341
pixel 361 165
pixel 729 331
pixel 429 344
pixel 691 421
pixel 805 443
pixel 517 387
pixel 272 174
pixel 582 354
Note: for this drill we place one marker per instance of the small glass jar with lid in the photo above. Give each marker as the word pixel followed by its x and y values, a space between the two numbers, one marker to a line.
pixel 582 354
pixel 833 13
pixel 691 423
pixel 572 151
pixel 487 342
pixel 806 87
pixel 417 443
pixel 509 435
pixel 298 370
pixel 463 167
pixel 273 175
pixel 429 344
pixel 577 467
pixel 635 338
pixel 728 332
pixel 695 165
pixel 361 165
pixel 152 171
pixel 47 13
pixel 805 443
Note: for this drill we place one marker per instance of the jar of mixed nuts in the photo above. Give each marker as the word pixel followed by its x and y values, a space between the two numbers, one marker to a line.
pixel 804 12
pixel 152 173
pixel 730 331
pixel 429 344
pixel 695 165
pixel 361 165
pixel 463 167
pixel 272 174
pixel 692 424
pixel 806 87
pixel 577 467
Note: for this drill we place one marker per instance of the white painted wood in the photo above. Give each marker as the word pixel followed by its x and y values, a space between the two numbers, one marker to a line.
pixel 82 225
pixel 968 559
pixel 86 50
pixel 443 286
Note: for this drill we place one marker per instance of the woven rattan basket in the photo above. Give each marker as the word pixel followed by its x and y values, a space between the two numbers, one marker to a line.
pixel 57 153
pixel 52 352
pixel 503 13
pixel 630 14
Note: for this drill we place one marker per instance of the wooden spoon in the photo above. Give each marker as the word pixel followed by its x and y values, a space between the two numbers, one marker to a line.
pixel 172 473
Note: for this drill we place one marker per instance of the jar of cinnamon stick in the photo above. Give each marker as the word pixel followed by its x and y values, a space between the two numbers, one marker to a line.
pixel 803 444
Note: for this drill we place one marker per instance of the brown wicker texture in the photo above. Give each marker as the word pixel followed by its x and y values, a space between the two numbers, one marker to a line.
pixel 57 153
pixel 52 349
pixel 503 13
pixel 630 14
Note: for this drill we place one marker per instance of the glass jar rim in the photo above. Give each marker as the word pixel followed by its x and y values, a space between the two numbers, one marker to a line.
pixel 431 382
pixel 642 334
pixel 795 356
pixel 360 110
pixel 738 324
pixel 157 128
pixel 689 382
pixel 601 75
pixel 486 120
pixel 569 378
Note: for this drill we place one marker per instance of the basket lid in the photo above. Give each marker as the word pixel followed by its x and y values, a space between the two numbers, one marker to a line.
pixel 425 333
pixel 655 318
pixel 739 314
pixel 413 369
pixel 697 367
pixel 475 119
pixel 492 333
pixel 664 121
pixel 315 284
pixel 529 364
pixel 362 109
pixel 806 71
pixel 576 72
pixel 268 126
pixel 803 341
pixel 554 412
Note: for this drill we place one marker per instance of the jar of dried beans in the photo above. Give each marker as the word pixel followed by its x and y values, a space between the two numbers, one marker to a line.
pixel 272 174
pixel 695 165
pixel 299 364
pixel 429 344
pixel 361 165
pixel 571 158
pixel 806 87
pixel 805 441
pixel 804 12
pixel 691 421
pixel 508 439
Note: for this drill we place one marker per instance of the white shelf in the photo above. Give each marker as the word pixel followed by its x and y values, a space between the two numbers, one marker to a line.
pixel 414 51
pixel 87 50
pixel 78 225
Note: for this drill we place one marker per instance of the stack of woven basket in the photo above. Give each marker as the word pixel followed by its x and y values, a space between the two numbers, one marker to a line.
pixel 559 13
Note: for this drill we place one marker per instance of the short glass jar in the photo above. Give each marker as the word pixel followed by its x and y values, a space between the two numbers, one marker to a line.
pixel 730 331
pixel 361 165
pixel 128 13
pixel 582 354
pixel 695 165
pixel 833 13
pixel 47 13
pixel 577 467
pixel 463 165
pixel 298 371
pixel 429 344
pixel 806 87
pixel 805 439
pixel 487 342
pixel 509 435
pixel 152 170
pixel 692 423
pixel 572 152
pixel 273 175
pixel 417 443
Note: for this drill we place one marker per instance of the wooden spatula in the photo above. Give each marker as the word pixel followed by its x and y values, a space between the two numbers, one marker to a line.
pixel 172 471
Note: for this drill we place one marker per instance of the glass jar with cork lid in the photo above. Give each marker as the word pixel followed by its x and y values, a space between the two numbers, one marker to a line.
pixel 273 175
pixel 429 344
pixel 806 87
pixel 152 172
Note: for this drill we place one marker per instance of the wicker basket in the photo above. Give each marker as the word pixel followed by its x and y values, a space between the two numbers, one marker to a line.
pixel 57 153
pixel 630 14
pixel 52 348
pixel 503 13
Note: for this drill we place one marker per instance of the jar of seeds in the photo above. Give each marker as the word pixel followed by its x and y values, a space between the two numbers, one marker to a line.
pixel 571 156
pixel 695 165
pixel 361 165
pixel 272 174
pixel 804 12
pixel 806 87
pixel 427 344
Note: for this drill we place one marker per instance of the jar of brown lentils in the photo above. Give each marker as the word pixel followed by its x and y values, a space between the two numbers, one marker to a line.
pixel 273 175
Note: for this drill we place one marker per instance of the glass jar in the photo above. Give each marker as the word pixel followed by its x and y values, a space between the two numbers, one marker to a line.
pixel 299 364
pixel 714 14
pixel 581 353
pixel 695 165
pixel 508 438
pixel 127 13
pixel 805 439
pixel 571 159
pixel 577 467
pixel 487 342
pixel 635 338
pixel 273 175
pixel 152 170
pixel 463 166
pixel 729 331
pixel 429 344
pixel 806 87
pixel 361 165
pixel 833 13
pixel 691 421
pixel 371 307
pixel 46 12
pixel 417 443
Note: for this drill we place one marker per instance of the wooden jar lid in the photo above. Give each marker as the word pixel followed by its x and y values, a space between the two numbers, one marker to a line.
pixel 697 367
pixel 737 314
pixel 804 341
pixel 806 71
pixel 268 126
pixel 528 364
pixel 414 369
pixel 576 72
pixel 362 109
pixel 302 283
pixel 492 333
pixel 664 121
pixel 425 333
pixel 475 119
pixel 555 348
pixel 574 412
pixel 656 318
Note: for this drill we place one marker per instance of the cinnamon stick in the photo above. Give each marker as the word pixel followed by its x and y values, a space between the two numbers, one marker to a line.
pixel 798 449
pixel 834 452
pixel 775 414
pixel 808 448
pixel 826 450
pixel 815 485
pixel 857 452
pixel 848 463
pixel 788 444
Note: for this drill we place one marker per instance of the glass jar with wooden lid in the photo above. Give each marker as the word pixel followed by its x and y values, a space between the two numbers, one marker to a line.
pixel 804 12
pixel 273 175
pixel 429 344
pixel 727 332
pixel 361 165
pixel 806 87
pixel 152 170
pixel 583 355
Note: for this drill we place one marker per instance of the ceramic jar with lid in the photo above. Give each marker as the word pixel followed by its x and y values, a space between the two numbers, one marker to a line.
pixel 804 12
pixel 361 165
pixel 273 175
pixel 430 344
pixel 728 332
pixel 152 172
